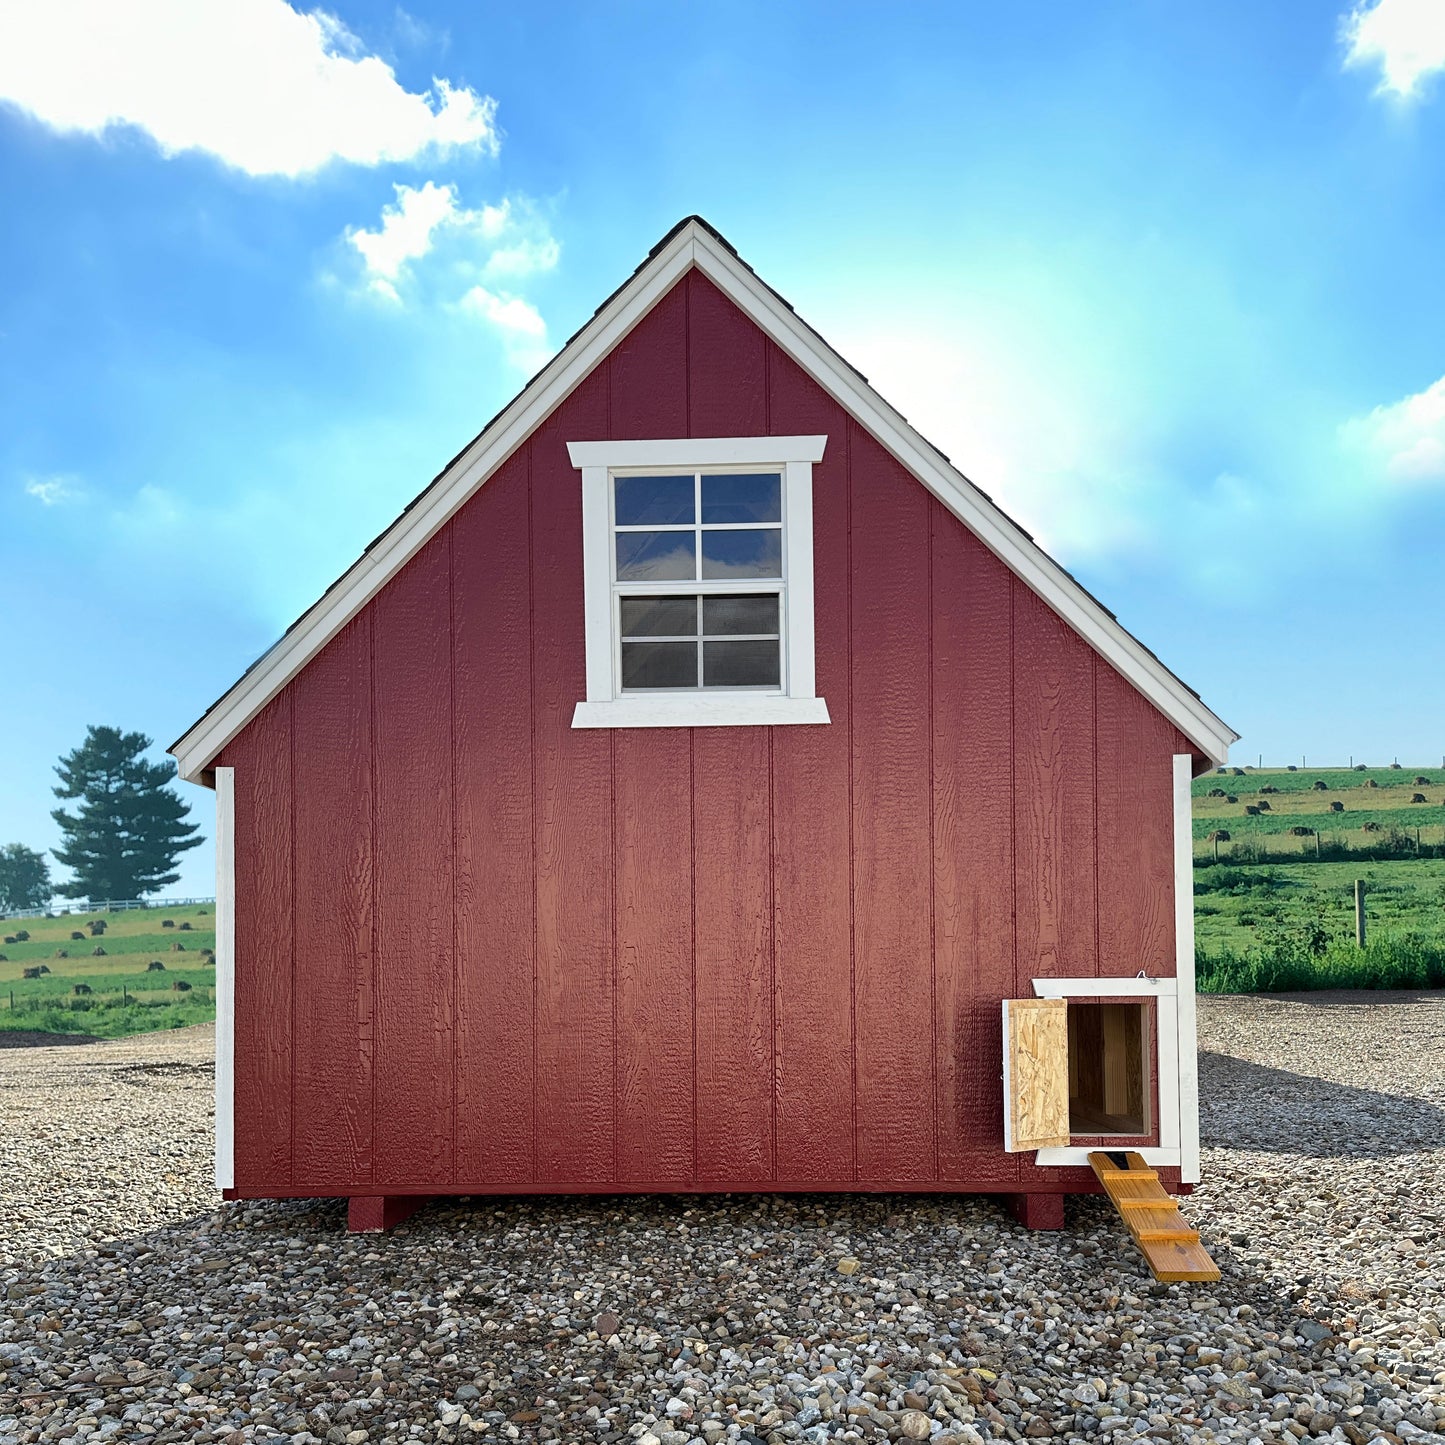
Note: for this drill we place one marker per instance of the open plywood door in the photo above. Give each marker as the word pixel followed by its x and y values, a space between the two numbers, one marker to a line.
pixel 1035 1073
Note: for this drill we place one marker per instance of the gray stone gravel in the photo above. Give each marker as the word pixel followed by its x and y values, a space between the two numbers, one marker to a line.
pixel 134 1306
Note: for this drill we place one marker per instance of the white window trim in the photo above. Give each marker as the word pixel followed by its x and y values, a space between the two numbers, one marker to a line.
pixel 797 702
pixel 1164 992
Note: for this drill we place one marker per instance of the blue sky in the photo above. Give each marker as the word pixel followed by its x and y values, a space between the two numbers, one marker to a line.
pixel 1164 280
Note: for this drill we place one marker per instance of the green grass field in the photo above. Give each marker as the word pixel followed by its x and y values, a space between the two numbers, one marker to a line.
pixel 1278 911
pixel 126 996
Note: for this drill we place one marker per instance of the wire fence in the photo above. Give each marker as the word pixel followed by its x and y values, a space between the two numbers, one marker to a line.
pixel 112 905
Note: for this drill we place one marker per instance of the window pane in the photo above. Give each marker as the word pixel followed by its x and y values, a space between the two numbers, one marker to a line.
pixel 659 664
pixel 740 614
pixel 653 501
pixel 660 617
pixel 656 556
pixel 741 554
pixel 742 498
pixel 740 664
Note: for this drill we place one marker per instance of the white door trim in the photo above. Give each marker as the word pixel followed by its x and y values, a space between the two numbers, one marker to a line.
pixel 1166 1024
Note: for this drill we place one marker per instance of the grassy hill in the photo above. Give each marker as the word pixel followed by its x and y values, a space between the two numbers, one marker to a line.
pixel 1278 908
pixel 126 994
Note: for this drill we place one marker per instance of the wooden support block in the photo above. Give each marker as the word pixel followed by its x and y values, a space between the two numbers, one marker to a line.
pixel 372 1213
pixel 1037 1211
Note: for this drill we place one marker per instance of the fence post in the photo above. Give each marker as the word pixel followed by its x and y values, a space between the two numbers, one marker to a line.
pixel 1359 912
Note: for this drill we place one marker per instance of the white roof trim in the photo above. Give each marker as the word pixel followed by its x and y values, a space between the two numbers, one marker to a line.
pixel 693 244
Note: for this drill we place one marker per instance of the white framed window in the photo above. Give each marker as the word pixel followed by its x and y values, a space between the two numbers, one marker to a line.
pixel 698 581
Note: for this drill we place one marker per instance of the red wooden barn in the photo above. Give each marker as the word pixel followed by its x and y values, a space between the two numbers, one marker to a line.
pixel 676 794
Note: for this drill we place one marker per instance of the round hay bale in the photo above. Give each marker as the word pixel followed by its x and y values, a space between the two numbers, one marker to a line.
pixel 168 922
pixel 9 938
pixel 61 953
pixel 1360 768
pixel 1422 781
pixel 1230 798
pixel 178 948
pixel 1300 831
pixel 1263 806
pixel 203 912
pixel 3 959
pixel 76 937
pixel 185 927
pixel 1418 798
pixel 155 966
pixel 22 935
pixel 81 988
pixel 1238 772
pixel 180 986
pixel 1371 827
pixel 97 952
pixel 1394 767
pixel 1371 783
pixel 1269 788
pixel 207 953
pixel 1250 811
pixel 45 968
pixel 1219 835
pixel 1217 793
pixel 96 925
pixel 1320 786
pixel 1292 768
pixel 31 973
pixel 1337 807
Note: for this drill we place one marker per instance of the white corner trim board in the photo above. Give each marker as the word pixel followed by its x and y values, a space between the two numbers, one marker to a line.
pixel 694 245
pixel 794 700
pixel 1188 1045
pixel 1164 993
pixel 225 977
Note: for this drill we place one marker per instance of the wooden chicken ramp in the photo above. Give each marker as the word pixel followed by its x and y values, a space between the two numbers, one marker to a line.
pixel 1170 1247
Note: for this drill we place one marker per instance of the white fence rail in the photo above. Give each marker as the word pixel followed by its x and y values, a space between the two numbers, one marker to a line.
pixel 71 905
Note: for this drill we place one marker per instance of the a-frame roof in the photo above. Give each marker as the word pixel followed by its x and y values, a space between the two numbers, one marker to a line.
pixel 691 243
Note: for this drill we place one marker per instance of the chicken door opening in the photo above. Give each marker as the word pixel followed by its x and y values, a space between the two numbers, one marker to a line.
pixel 1108 1068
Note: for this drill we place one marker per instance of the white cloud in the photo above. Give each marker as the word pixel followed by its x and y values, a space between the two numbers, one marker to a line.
pixel 507 313
pixel 1405 441
pixel 509 240
pixel 52 491
pixel 523 331
pixel 405 233
pixel 261 86
pixel 1406 38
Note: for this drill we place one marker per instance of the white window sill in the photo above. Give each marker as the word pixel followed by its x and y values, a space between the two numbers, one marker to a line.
pixel 694 711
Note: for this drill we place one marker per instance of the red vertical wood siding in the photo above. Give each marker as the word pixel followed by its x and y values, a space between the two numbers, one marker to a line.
pixel 332 1013
pixel 480 950
pixel 496 916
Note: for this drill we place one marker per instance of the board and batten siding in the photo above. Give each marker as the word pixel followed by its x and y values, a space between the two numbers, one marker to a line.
pixel 478 949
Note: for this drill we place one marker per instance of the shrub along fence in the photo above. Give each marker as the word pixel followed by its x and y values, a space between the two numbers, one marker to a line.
pixel 1289 965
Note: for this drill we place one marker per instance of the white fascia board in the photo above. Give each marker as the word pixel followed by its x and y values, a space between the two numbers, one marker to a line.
pixel 698 452
pixel 225 977
pixel 693 245
pixel 410 532
pixel 1017 551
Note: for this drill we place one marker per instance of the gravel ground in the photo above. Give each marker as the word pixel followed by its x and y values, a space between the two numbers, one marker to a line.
pixel 135 1307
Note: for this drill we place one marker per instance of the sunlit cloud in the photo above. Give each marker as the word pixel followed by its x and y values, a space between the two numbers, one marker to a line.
pixel 1405 38
pixel 264 88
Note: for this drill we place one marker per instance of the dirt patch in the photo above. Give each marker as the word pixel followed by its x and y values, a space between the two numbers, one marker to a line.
pixel 37 1039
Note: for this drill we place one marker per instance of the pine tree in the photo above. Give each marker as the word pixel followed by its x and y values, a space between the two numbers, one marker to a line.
pixel 124 839
pixel 24 878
